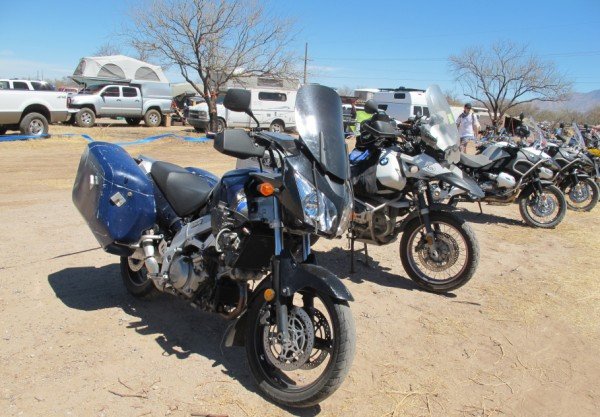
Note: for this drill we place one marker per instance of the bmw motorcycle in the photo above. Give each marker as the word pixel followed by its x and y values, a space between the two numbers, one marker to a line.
pixel 395 190
pixel 577 171
pixel 239 246
pixel 509 172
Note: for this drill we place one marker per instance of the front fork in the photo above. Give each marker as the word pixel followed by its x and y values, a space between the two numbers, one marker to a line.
pixel 423 191
pixel 282 292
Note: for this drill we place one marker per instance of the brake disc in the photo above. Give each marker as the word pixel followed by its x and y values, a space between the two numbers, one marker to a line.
pixel 323 331
pixel 440 256
pixel 544 206
pixel 290 355
pixel 579 194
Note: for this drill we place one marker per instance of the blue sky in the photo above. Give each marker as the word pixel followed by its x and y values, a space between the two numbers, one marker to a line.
pixel 351 43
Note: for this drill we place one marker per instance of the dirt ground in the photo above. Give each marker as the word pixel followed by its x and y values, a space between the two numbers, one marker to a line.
pixel 521 339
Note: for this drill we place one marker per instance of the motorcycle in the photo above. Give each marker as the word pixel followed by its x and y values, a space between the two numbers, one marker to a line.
pixel 185 232
pixel 577 173
pixel 394 193
pixel 509 172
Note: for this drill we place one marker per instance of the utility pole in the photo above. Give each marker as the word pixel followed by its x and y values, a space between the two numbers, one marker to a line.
pixel 305 59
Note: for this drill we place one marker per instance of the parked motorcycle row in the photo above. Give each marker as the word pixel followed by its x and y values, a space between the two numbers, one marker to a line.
pixel 240 245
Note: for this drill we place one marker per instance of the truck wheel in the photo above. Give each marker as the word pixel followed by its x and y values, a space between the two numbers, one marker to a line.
pixel 3 130
pixel 221 125
pixel 198 129
pixel 34 124
pixel 277 126
pixel 133 121
pixel 85 118
pixel 152 118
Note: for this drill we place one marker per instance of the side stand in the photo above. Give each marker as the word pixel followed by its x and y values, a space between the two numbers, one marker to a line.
pixel 352 250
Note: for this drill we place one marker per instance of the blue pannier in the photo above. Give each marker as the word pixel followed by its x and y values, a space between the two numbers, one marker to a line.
pixel 114 196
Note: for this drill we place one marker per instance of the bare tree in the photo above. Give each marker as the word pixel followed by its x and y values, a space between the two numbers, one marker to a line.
pixel 107 49
pixel 214 41
pixel 506 75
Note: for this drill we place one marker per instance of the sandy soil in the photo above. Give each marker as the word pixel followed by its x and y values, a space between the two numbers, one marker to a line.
pixel 521 339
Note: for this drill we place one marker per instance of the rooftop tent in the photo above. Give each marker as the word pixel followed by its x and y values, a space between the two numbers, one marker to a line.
pixel 117 68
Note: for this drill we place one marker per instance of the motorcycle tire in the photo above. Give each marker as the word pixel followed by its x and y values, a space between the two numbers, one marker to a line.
pixel 136 282
pixel 593 196
pixel 524 207
pixel 408 254
pixel 268 377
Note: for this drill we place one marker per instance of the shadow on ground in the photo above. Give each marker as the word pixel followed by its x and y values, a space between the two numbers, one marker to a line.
pixel 486 218
pixel 178 328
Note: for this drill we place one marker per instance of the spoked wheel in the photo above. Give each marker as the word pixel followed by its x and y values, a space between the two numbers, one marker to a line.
pixel 545 210
pixel 445 264
pixel 134 274
pixel 583 196
pixel 313 363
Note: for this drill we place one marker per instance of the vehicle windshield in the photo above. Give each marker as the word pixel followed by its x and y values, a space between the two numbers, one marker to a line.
pixel 537 137
pixel 441 125
pixel 319 123
pixel 578 136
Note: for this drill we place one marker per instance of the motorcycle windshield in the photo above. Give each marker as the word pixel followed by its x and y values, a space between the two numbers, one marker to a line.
pixel 578 136
pixel 441 125
pixel 319 123
pixel 537 137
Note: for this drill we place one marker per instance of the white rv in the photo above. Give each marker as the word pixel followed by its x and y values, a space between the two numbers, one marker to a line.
pixel 399 103
pixel 273 104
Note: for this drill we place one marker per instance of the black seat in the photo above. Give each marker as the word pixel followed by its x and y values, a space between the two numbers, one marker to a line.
pixel 186 192
pixel 475 161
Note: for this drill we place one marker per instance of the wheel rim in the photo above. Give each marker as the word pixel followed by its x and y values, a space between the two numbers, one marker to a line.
pixel 220 126
pixel 443 261
pixel 86 118
pixel 36 127
pixel 276 127
pixel 153 118
pixel 304 362
pixel 543 208
pixel 580 196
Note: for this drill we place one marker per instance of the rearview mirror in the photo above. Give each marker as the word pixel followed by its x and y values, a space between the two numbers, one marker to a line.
pixel 371 107
pixel 237 99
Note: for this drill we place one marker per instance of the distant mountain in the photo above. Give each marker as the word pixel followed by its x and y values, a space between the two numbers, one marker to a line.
pixel 581 102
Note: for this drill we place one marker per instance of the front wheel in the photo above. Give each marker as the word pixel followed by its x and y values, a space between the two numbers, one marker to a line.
pixel 446 264
pixel 317 358
pixel 544 210
pixel 583 196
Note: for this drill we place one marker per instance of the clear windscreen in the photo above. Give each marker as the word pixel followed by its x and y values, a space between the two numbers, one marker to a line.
pixel 441 125
pixel 578 136
pixel 537 137
pixel 319 123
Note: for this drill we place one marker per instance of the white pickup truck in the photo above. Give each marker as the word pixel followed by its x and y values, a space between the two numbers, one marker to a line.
pixel 31 111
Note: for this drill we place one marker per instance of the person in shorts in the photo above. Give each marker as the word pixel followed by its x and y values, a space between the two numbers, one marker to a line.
pixel 468 127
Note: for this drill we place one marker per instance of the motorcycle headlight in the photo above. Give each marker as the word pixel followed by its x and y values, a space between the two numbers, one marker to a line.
pixel 319 210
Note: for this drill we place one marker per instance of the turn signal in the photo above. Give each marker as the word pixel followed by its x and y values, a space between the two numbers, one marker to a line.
pixel 269 295
pixel 266 189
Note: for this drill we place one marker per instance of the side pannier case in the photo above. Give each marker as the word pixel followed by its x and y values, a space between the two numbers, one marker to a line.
pixel 114 196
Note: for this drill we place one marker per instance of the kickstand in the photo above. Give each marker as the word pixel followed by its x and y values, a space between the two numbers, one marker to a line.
pixel 367 256
pixel 480 209
pixel 351 238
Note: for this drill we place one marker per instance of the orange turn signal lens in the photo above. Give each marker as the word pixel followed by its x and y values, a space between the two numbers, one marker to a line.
pixel 266 189
pixel 269 294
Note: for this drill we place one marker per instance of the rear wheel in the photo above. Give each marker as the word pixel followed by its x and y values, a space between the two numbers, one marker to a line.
pixel 277 126
pixel 34 124
pixel 583 196
pixel 152 118
pixel 3 130
pixel 446 264
pixel 221 125
pixel 85 118
pixel 133 121
pixel 545 210
pixel 314 363
pixel 135 278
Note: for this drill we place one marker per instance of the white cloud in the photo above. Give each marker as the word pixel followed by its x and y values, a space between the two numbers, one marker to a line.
pixel 321 68
pixel 13 68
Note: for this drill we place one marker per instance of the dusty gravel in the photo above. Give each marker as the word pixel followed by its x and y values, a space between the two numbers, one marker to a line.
pixel 521 339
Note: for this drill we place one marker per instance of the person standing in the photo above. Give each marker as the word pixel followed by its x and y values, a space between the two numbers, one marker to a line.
pixel 468 127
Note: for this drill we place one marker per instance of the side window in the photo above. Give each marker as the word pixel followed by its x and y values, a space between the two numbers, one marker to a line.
pixel 426 111
pixel 382 107
pixel 417 110
pixel 4 85
pixel 265 96
pixel 129 92
pixel 111 92
pixel 399 96
pixel 20 85
pixel 36 86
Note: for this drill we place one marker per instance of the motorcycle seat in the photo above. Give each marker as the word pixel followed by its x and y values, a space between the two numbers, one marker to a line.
pixel 185 191
pixel 475 161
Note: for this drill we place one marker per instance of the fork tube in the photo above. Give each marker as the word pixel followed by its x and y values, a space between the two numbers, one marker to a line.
pixel 281 316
